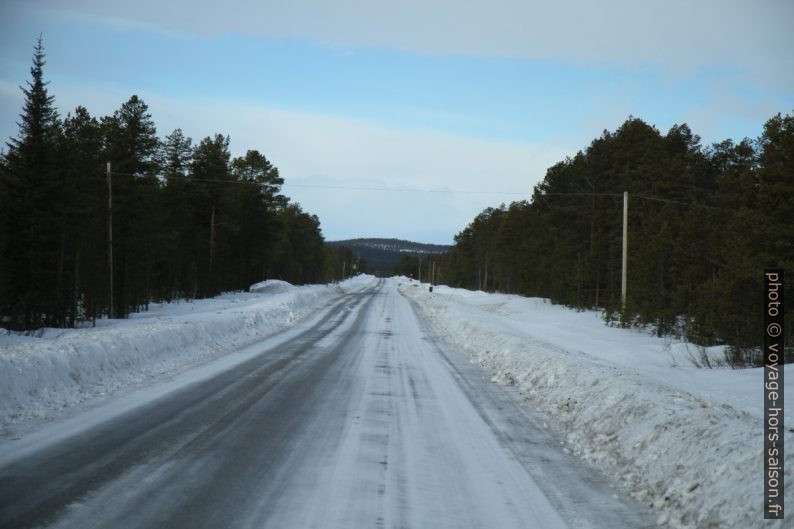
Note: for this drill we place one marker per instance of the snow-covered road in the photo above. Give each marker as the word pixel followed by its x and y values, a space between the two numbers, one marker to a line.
pixel 359 417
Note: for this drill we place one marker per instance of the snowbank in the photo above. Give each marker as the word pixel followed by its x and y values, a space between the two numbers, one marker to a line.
pixel 687 441
pixel 271 286
pixel 42 377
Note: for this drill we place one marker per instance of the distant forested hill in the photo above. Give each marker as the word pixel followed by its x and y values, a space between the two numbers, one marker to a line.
pixel 383 255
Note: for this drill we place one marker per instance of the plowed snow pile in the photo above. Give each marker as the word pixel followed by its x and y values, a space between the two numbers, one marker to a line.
pixel 42 377
pixel 685 440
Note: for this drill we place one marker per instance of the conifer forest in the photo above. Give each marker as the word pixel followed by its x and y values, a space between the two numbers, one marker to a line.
pixel 188 219
pixel 703 223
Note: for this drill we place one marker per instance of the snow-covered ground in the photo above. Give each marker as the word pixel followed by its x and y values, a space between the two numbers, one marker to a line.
pixel 45 377
pixel 685 440
pixel 358 416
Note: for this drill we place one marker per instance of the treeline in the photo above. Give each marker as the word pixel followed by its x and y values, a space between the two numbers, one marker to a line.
pixel 341 263
pixel 424 267
pixel 188 220
pixel 703 223
pixel 382 257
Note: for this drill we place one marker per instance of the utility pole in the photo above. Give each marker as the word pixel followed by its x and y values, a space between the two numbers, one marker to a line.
pixel 625 249
pixel 212 237
pixel 110 243
pixel 420 269
pixel 344 266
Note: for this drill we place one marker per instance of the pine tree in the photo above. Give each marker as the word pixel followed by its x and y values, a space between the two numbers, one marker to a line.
pixel 703 225
pixel 776 205
pixel 255 213
pixel 212 214
pixel 299 252
pixel 85 228
pixel 131 145
pixel 175 157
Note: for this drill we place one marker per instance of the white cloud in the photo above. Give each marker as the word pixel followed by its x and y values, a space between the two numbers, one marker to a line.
pixel 377 166
pixel 678 34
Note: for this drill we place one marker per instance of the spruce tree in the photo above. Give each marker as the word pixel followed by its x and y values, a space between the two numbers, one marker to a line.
pixel 31 209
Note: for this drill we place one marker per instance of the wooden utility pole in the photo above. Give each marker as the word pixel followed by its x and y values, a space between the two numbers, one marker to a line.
pixel 212 237
pixel 110 242
pixel 625 249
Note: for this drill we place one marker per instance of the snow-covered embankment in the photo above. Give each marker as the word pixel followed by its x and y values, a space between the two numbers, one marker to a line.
pixel 687 441
pixel 41 378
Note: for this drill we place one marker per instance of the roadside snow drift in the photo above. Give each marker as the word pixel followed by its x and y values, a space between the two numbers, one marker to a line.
pixel 41 378
pixel 687 441
pixel 271 286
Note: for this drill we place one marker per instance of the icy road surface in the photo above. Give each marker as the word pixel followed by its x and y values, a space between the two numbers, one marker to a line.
pixel 360 417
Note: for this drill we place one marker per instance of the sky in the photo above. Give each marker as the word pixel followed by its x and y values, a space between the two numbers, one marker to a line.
pixel 406 119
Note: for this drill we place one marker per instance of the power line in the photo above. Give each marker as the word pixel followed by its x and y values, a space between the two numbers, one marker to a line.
pixel 420 190
pixel 644 197
pixel 691 204
pixel 344 188
pixel 405 189
pixel 583 194
pixel 193 179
